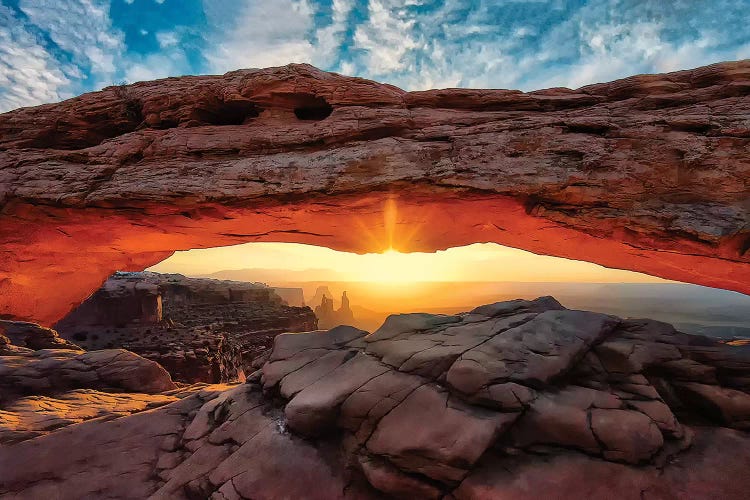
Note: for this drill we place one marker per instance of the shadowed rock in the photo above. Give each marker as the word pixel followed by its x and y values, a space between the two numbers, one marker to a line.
pixel 33 336
pixel 48 371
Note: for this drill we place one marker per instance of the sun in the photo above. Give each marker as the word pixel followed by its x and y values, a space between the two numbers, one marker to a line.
pixel 394 267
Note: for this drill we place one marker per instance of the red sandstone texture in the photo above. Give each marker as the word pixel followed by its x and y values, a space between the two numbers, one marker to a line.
pixel 650 173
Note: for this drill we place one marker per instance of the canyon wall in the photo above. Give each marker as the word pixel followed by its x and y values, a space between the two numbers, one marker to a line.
pixel 199 329
pixel 650 173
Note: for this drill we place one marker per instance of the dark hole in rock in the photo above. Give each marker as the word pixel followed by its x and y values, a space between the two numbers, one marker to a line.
pixel 164 124
pixel 745 247
pixel 228 113
pixel 314 109
pixel 80 336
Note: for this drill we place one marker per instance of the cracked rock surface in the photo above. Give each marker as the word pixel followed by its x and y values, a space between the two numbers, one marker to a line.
pixel 518 400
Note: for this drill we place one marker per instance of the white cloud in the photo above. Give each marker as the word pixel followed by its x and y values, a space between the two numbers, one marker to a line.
pixel 611 51
pixel 167 39
pixel 261 34
pixel 329 38
pixel 477 45
pixel 154 66
pixel 83 29
pixel 743 52
pixel 386 37
pixel 28 74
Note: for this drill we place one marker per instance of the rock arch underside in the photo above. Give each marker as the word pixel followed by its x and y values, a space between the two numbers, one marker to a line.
pixel 522 399
pixel 649 173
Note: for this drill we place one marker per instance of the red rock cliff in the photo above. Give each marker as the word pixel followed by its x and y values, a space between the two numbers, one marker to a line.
pixel 650 173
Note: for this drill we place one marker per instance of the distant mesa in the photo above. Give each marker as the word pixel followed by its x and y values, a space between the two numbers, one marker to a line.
pixel 199 329
pixel 267 275
pixel 328 317
pixel 320 293
pixel 292 296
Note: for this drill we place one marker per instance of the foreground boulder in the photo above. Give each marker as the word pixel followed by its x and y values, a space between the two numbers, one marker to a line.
pixel 516 400
pixel 32 416
pixel 50 371
pixel 33 336
pixel 42 391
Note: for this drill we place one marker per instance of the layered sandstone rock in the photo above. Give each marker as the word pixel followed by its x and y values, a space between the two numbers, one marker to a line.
pixel 59 384
pixel 33 336
pixel 33 416
pixel 50 371
pixel 648 173
pixel 200 330
pixel 516 400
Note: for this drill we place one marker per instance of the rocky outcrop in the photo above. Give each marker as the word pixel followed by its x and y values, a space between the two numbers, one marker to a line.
pixel 51 371
pixel 189 354
pixel 649 173
pixel 45 390
pixel 33 416
pixel 147 298
pixel 328 317
pixel 113 456
pixel 200 330
pixel 33 336
pixel 511 400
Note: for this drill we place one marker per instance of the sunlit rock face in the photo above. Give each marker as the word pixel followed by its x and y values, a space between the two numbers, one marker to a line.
pixel 513 400
pixel 649 173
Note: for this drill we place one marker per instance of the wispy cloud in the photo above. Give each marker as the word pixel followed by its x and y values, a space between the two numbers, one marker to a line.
pixel 51 48
pixel 329 38
pixel 387 37
pixel 81 29
pixel 29 75
pixel 260 34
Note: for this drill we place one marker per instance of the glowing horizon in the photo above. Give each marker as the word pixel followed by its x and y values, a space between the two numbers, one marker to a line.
pixel 483 262
pixel 479 262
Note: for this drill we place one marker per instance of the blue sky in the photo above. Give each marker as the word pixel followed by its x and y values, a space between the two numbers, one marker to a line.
pixel 54 49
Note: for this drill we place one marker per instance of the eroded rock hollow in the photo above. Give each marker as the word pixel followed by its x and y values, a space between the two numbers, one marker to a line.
pixel 649 173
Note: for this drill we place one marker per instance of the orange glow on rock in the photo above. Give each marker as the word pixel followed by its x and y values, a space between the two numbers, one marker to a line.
pixel 56 257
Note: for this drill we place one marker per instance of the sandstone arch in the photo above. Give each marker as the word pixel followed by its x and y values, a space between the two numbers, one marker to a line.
pixel 650 173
